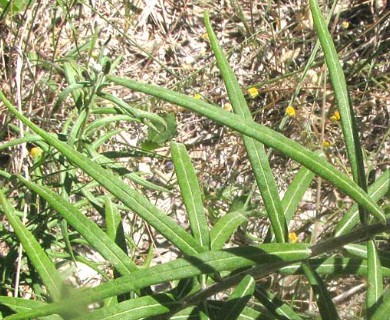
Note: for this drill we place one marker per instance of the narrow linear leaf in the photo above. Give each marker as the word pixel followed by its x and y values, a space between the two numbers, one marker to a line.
pixel 324 301
pixel 64 94
pixel 88 229
pixel 114 225
pixel 238 299
pixel 191 194
pixel 348 122
pixel 383 310
pixel 191 266
pixel 335 266
pixel 127 109
pixel 255 150
pixel 134 309
pixel 358 250
pixel 275 305
pixel 23 305
pixel 106 162
pixel 248 313
pixel 105 121
pixel 295 192
pixel 374 279
pixel 376 191
pixel 224 228
pixel 265 135
pixel 294 195
pixel 41 262
pixel 131 198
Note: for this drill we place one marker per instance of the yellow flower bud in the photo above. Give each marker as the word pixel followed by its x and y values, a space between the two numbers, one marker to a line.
pixel 290 111
pixel 292 236
pixel 326 144
pixel 253 92
pixel 36 152
pixel 345 24
pixel 336 116
pixel 227 107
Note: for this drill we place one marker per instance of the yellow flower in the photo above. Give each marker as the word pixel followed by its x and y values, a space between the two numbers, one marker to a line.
pixel 345 24
pixel 227 107
pixel 205 36
pixel 292 236
pixel 326 144
pixel 290 111
pixel 336 116
pixel 36 152
pixel 253 92
pixel 197 96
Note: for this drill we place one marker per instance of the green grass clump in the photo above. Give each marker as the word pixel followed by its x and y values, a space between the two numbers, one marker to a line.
pixel 77 198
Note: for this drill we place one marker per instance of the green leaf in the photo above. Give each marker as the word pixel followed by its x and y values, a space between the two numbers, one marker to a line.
pixel 191 194
pixel 360 251
pixel 42 264
pixel 88 229
pixel 255 150
pixel 261 133
pixel 376 191
pixel 14 6
pixel 294 195
pixel 383 310
pixel 224 228
pixel 131 198
pixel 131 111
pixel 324 301
pixel 374 279
pixel 139 308
pixel 190 266
pixel 275 305
pixel 335 266
pixel 106 162
pixel 114 225
pixel 238 299
pixel 296 191
pixel 106 121
pixel 160 134
pixel 22 305
pixel 348 122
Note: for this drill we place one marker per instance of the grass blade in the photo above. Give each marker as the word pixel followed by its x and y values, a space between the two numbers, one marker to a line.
pixel 191 194
pixel 42 264
pixel 131 198
pixel 265 135
pixel 255 150
pixel 238 299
